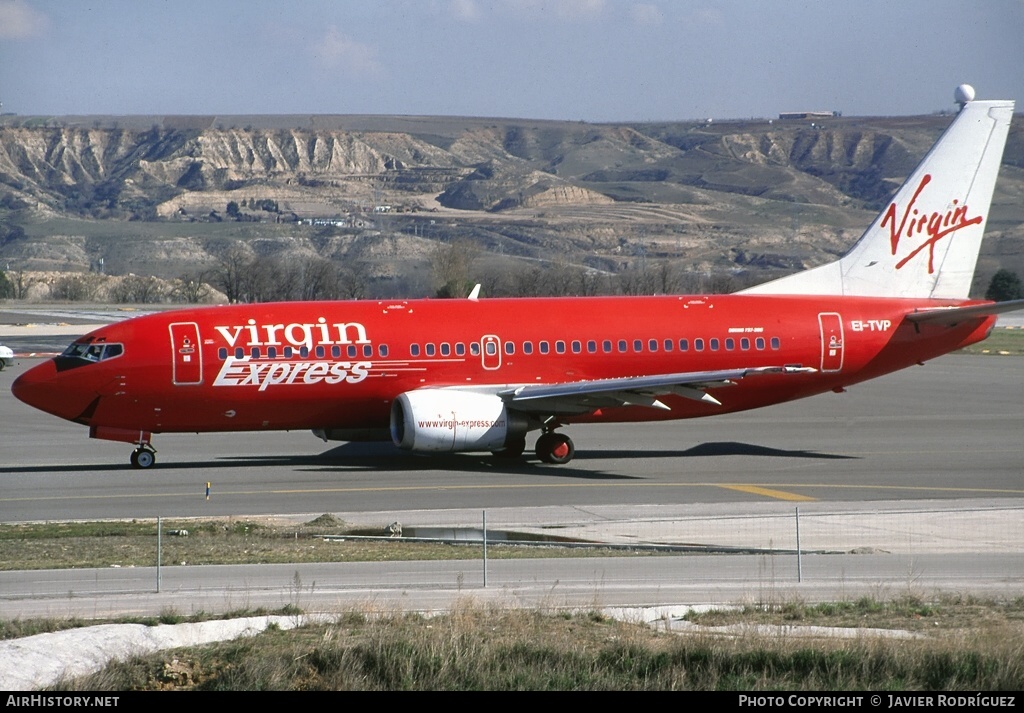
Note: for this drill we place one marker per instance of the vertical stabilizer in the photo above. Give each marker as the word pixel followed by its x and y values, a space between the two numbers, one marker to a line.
pixel 926 241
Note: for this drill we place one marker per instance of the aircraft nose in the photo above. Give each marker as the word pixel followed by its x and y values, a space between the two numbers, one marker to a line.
pixel 41 388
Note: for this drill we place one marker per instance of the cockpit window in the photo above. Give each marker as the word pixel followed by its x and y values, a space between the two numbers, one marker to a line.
pixel 93 352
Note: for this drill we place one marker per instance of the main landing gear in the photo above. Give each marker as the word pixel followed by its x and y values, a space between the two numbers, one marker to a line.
pixel 144 456
pixel 555 448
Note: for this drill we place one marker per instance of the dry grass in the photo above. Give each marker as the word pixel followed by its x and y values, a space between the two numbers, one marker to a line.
pixel 230 541
pixel 474 648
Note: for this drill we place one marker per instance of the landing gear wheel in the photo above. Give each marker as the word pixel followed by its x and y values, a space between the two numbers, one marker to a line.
pixel 143 458
pixel 555 448
pixel 512 449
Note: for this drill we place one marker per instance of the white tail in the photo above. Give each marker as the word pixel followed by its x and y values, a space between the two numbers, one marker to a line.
pixel 926 242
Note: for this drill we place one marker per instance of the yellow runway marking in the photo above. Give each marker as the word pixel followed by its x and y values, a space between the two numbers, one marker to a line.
pixel 753 489
pixel 768 493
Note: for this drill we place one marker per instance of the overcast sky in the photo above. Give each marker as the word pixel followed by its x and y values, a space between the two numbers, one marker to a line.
pixel 595 60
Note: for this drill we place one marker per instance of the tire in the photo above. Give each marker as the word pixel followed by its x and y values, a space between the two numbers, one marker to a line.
pixel 143 458
pixel 555 448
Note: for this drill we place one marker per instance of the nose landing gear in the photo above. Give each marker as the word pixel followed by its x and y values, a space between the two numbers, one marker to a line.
pixel 144 456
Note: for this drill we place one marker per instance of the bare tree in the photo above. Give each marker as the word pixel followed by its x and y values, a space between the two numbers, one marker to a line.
pixel 191 288
pixel 451 264
pixel 137 289
pixel 231 270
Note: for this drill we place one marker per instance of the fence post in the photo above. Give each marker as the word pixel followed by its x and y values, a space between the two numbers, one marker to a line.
pixel 159 549
pixel 799 563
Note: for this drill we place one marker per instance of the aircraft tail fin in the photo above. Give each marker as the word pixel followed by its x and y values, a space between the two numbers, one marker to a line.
pixel 926 242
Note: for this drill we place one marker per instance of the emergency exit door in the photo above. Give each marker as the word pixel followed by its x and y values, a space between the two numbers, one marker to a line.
pixel 186 355
pixel 831 325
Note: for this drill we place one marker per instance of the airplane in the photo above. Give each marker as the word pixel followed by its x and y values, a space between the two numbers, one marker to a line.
pixel 480 375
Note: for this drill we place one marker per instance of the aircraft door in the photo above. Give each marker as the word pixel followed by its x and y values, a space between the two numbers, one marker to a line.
pixel 831 325
pixel 490 351
pixel 186 354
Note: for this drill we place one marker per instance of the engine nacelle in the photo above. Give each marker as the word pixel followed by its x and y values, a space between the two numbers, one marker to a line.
pixel 447 421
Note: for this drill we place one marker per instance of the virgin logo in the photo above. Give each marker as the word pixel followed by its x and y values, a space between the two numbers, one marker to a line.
pixel 932 227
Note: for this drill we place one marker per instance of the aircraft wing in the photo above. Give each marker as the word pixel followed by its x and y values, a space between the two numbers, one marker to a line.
pixel 584 396
pixel 951 316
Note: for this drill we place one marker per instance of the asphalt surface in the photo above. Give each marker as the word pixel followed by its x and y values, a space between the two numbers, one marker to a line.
pixel 949 429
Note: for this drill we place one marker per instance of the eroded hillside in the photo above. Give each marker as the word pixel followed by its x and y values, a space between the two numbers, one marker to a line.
pixel 168 194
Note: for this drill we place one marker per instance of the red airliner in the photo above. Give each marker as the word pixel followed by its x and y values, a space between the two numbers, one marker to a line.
pixel 481 374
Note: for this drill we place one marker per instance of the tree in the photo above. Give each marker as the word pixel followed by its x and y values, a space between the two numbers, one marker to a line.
pixel 6 288
pixel 230 273
pixel 450 264
pixel 191 288
pixel 1005 285
pixel 137 289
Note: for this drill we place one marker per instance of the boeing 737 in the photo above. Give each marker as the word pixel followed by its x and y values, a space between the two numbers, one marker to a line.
pixel 480 375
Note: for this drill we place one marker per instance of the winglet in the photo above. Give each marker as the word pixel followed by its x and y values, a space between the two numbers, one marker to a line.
pixel 475 294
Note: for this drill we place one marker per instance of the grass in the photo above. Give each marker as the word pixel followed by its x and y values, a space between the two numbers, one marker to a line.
pixel 479 648
pixel 1004 341
pixel 959 643
pixel 64 545
pixel 909 613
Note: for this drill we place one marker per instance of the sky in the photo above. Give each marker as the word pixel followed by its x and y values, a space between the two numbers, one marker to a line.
pixel 590 60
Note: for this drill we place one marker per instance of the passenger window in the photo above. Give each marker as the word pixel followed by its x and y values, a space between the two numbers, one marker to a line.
pixel 510 348
pixel 383 350
pixel 668 345
pixel 222 353
pixel 560 346
pixel 776 344
pixel 474 348
pixel 239 353
pixel 744 344
pixel 491 348
pixel 652 345
pixel 730 343
pixel 336 351
pixel 713 343
pixel 460 349
pixel 592 346
pixel 759 342
pixel 684 345
pixel 576 346
pixel 304 352
pixel 698 345
pixel 527 347
pixel 351 351
pixel 622 346
pixel 414 350
pixel 272 352
pixel 288 352
pixel 446 349
pixel 255 353
pixel 430 349
pixel 320 351
pixel 638 345
pixel 543 347
pixel 606 346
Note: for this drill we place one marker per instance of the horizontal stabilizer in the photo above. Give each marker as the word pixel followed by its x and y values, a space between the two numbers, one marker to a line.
pixel 955 315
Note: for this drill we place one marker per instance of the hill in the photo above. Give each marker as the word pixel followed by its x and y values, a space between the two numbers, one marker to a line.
pixel 414 205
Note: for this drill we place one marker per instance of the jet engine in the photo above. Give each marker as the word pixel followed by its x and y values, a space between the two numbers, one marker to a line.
pixel 443 420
